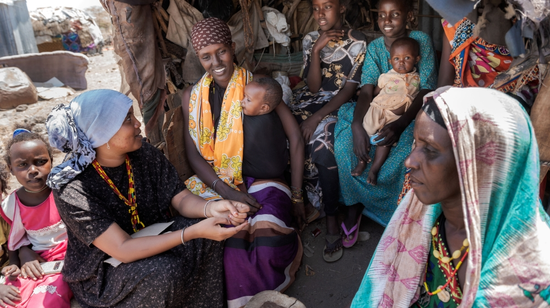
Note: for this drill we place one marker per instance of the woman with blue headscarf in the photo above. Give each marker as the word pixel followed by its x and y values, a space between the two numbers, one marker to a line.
pixel 471 232
pixel 114 185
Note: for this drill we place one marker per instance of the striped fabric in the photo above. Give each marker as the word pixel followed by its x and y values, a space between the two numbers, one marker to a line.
pixel 266 255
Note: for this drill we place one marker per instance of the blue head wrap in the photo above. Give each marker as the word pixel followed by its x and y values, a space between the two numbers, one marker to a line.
pixel 89 121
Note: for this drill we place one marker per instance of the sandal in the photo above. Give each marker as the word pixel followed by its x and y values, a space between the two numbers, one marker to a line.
pixel 332 256
pixel 347 241
pixel 313 216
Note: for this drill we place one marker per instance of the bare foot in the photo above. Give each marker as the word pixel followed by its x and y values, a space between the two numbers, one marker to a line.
pixel 372 178
pixel 358 170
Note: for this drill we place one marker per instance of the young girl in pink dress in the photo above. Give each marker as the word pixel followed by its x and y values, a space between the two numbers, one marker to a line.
pixel 34 220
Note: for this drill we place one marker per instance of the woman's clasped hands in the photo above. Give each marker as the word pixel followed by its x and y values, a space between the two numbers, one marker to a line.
pixel 223 212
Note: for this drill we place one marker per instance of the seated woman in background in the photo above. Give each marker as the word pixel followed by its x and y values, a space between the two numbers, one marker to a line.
pixel 379 201
pixel 471 231
pixel 333 57
pixel 115 184
pixel 266 254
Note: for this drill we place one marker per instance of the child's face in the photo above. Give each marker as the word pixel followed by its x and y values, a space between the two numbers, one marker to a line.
pixel 30 163
pixel 328 13
pixel 403 59
pixel 392 18
pixel 253 102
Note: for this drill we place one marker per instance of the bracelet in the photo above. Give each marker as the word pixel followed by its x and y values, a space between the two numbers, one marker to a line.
pixel 296 194
pixel 205 205
pixel 182 242
pixel 214 184
pixel 297 200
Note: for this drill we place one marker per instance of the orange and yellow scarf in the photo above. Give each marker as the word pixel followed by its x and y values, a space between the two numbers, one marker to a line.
pixel 223 147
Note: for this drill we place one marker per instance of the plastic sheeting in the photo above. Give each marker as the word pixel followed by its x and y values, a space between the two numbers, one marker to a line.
pixel 70 68
pixel 50 21
pixel 16 34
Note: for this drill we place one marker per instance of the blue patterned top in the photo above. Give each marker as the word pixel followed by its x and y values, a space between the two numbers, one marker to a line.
pixel 377 61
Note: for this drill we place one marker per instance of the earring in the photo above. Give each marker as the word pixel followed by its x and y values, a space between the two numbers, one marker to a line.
pixel 108 147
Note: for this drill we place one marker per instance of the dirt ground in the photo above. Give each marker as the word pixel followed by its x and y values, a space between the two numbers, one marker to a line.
pixel 318 284
pixel 333 285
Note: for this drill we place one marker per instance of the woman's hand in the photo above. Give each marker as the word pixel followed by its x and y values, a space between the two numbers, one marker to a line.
pixel 361 142
pixel 31 263
pixel 9 295
pixel 210 228
pixel 390 133
pixel 235 211
pixel 239 196
pixel 308 127
pixel 12 271
pixel 325 37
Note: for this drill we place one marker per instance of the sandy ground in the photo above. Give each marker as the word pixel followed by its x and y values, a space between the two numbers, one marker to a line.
pixel 318 284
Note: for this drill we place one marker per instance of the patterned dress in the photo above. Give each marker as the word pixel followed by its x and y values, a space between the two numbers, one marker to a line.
pixel 477 63
pixel 340 63
pixel 46 232
pixel 380 201
pixel 396 90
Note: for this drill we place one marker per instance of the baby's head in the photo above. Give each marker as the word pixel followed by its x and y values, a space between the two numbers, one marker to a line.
pixel 261 96
pixel 404 54
pixel 29 158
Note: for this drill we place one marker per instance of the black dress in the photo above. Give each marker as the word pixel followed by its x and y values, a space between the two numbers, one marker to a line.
pixel 185 276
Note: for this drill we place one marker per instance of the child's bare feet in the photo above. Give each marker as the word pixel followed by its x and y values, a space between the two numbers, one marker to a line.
pixel 359 169
pixel 372 178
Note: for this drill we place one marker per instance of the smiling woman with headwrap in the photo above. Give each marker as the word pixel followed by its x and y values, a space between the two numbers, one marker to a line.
pixel 113 185
pixel 266 254
pixel 471 231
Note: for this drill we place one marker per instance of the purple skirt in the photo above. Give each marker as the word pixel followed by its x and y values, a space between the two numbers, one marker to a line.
pixel 267 254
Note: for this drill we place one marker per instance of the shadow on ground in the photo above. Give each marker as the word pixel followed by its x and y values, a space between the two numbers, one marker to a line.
pixel 333 285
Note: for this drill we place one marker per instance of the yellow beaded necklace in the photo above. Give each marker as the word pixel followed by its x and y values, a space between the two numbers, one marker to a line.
pixel 456 254
pixel 440 291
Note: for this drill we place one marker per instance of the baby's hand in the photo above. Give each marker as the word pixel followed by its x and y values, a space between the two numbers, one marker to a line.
pixel 32 269
pixel 9 295
pixel 12 271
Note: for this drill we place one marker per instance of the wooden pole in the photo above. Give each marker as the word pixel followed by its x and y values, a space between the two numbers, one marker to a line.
pixel 541 123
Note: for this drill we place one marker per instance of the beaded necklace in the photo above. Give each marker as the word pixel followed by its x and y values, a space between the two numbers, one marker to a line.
pixel 441 293
pixel 131 200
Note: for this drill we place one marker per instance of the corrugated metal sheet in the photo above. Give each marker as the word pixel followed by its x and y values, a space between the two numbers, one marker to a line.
pixel 16 34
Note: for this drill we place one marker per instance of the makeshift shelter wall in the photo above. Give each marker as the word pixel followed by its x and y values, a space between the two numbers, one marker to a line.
pixel 16 33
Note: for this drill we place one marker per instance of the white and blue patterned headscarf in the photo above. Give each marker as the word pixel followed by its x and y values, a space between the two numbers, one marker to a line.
pixel 89 121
